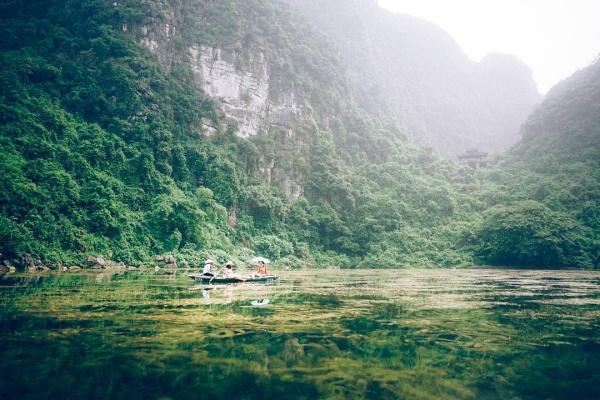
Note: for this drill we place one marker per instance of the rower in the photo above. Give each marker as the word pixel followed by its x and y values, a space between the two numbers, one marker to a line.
pixel 207 267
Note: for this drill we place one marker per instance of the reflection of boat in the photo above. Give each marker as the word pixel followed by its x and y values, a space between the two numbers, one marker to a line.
pixel 259 303
pixel 221 279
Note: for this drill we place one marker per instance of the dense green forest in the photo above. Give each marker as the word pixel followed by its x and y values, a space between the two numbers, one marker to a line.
pixel 101 153
pixel 549 183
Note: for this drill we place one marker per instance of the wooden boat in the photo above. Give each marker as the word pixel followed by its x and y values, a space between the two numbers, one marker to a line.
pixel 201 278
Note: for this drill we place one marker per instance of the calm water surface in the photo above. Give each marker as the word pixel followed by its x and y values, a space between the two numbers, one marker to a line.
pixel 412 334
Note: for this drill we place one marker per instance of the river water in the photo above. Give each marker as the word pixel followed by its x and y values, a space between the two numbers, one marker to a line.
pixel 385 334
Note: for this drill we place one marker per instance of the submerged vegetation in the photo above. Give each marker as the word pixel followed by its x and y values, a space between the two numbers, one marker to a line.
pixel 103 152
pixel 468 334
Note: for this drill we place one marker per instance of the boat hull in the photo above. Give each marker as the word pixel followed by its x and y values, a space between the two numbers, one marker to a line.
pixel 200 278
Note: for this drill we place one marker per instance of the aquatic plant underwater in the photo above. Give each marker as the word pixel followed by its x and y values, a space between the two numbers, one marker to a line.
pixel 417 334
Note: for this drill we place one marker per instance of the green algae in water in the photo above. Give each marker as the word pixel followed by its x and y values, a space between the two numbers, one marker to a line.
pixel 460 334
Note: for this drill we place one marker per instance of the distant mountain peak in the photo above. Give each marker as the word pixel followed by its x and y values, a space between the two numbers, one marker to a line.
pixel 415 72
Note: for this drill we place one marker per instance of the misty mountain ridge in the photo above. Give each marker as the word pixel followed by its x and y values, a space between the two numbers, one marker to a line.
pixel 413 71
pixel 565 128
pixel 557 163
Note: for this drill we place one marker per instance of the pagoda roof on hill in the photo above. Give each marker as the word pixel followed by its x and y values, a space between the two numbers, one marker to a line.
pixel 473 153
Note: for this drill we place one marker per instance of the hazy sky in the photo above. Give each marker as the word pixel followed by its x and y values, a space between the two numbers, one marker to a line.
pixel 554 37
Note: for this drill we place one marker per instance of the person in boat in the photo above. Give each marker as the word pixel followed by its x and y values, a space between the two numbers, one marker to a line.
pixel 208 264
pixel 228 272
pixel 262 268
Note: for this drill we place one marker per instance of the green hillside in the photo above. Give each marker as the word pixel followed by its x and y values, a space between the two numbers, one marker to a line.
pixel 102 153
pixel 548 185
pixel 121 134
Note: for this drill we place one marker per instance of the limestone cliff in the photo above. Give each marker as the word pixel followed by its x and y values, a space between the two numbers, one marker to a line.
pixel 251 84
pixel 239 83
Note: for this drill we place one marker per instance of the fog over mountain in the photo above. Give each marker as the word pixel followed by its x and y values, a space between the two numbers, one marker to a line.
pixel 414 71
pixel 561 139
pixel 557 163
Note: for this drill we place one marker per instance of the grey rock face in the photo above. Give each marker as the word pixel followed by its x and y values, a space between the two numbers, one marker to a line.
pixel 240 83
pixel 242 93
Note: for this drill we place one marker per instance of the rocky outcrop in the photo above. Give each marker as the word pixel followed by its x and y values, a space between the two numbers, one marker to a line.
pixel 96 262
pixel 6 266
pixel 159 39
pixel 99 262
pixel 167 261
pixel 242 93
pixel 292 187
pixel 241 86
pixel 26 262
pixel 239 83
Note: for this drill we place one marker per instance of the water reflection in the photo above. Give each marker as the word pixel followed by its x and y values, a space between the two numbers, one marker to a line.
pixel 257 295
pixel 416 334
pixel 260 302
pixel 206 295
pixel 261 294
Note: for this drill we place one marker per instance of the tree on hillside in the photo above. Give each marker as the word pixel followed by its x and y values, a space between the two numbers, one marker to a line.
pixel 527 233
